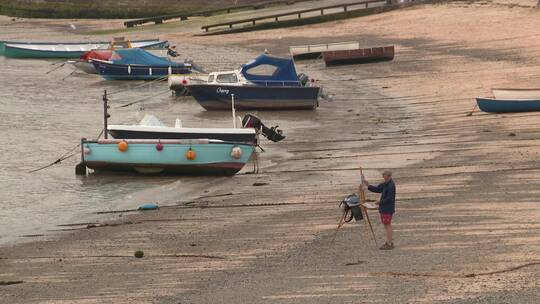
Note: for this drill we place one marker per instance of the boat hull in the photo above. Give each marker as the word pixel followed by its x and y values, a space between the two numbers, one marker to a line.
pixel 65 50
pixel 500 93
pixel 492 105
pixel 140 134
pixel 252 97
pixel 142 156
pixel 85 66
pixel 111 71
pixel 359 56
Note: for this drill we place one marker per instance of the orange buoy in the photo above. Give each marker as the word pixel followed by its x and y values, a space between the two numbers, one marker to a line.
pixel 190 154
pixel 236 152
pixel 123 146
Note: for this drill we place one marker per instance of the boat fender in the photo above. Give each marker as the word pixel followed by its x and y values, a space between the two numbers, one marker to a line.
pixel 150 71
pixel 129 69
pixel 190 154
pixel 123 146
pixel 236 152
pixel 169 70
pixel 148 206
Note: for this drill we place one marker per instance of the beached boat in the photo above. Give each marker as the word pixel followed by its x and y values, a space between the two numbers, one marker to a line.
pixel 151 127
pixel 67 50
pixel 151 156
pixel 138 64
pixel 506 93
pixel 266 83
pixel 365 55
pixel 84 63
pixel 495 105
pixel 314 51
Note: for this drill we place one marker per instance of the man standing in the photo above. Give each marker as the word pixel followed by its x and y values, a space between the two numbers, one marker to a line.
pixel 386 204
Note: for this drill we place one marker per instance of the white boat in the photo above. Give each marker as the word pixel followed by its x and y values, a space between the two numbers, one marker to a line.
pixel 527 94
pixel 151 127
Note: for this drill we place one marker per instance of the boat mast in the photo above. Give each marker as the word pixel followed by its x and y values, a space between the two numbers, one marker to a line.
pixel 105 114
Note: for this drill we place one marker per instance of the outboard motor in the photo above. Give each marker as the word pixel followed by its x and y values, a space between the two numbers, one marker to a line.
pixel 273 133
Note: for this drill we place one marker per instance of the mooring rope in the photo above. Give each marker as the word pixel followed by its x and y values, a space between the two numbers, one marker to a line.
pixel 141 100
pixel 63 157
pixel 138 86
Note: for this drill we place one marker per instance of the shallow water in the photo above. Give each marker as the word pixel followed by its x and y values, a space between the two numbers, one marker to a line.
pixel 43 117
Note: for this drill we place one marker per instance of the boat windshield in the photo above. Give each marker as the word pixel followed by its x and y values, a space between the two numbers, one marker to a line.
pixel 227 78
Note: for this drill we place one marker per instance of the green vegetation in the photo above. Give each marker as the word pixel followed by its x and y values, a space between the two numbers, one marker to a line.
pixel 92 9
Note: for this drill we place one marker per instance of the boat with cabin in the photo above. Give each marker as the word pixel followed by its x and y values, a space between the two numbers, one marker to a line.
pixel 265 83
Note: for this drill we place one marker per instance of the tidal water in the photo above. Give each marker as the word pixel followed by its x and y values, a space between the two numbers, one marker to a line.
pixel 43 116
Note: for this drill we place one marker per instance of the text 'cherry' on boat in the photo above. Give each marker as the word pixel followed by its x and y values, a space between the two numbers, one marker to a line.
pixel 265 83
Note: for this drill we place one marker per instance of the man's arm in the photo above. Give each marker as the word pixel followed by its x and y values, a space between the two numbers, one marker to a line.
pixel 376 189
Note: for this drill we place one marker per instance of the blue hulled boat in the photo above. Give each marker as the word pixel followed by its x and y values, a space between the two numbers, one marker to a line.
pixel 152 156
pixel 138 64
pixel 494 105
pixel 266 83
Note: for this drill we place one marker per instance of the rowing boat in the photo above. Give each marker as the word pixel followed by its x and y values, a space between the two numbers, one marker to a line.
pixel 496 105
pixel 365 55
pixel 314 51
pixel 67 50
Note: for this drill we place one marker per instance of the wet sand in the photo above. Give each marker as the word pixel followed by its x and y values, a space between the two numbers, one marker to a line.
pixel 466 227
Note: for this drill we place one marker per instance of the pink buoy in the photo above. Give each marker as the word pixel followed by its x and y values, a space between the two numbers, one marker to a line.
pixel 159 146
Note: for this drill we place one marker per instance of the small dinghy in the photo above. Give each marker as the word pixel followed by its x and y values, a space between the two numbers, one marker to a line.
pixel 138 64
pixel 266 83
pixel 358 56
pixel 67 50
pixel 495 105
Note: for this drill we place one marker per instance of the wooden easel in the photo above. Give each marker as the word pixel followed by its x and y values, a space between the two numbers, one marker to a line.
pixel 362 194
pixel 364 209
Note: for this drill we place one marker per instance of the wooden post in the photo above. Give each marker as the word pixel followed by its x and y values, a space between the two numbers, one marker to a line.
pixel 299 15
pixel 253 22
pixel 322 11
pixel 105 114
pixel 344 8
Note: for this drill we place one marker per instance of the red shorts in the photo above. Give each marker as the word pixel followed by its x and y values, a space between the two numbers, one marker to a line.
pixel 386 218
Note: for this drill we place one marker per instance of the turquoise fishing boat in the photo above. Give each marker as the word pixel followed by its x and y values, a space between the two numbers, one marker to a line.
pixel 66 50
pixel 153 156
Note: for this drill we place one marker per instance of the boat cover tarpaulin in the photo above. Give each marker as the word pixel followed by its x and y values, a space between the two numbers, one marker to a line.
pixel 284 69
pixel 97 54
pixel 136 56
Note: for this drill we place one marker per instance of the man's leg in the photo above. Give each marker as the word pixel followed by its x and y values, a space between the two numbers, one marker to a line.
pixel 388 228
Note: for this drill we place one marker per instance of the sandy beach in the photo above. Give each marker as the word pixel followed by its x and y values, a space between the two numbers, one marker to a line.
pixel 467 227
